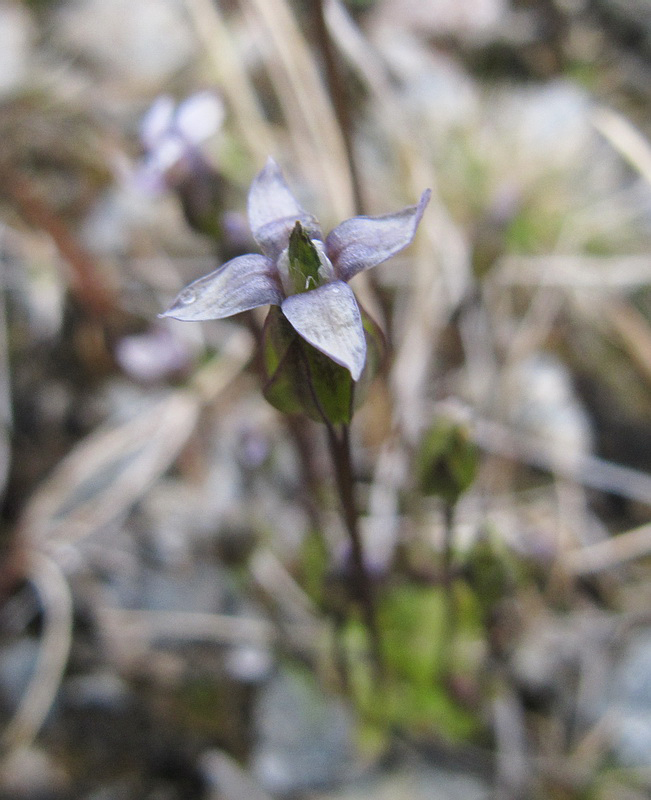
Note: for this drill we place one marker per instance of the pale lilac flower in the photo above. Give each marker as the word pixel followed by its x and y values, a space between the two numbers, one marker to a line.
pixel 324 311
pixel 171 135
pixel 152 356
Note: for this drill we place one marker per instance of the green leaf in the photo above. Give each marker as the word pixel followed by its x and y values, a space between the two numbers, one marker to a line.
pixel 416 694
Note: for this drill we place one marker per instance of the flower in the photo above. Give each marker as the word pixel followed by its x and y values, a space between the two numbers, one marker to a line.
pixel 301 272
pixel 171 135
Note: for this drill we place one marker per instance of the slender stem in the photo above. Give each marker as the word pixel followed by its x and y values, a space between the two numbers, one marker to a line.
pixel 451 612
pixel 362 587
pixel 338 95
pixel 297 430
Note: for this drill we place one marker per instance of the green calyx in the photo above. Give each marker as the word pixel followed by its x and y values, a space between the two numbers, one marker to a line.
pixel 299 379
pixel 304 262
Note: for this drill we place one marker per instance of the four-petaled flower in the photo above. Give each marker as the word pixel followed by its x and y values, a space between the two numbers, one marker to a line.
pixel 300 271
pixel 171 135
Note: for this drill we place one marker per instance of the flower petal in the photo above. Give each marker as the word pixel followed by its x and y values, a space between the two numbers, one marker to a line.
pixel 156 121
pixel 200 116
pixel 240 284
pixel 273 211
pixel 330 320
pixel 364 242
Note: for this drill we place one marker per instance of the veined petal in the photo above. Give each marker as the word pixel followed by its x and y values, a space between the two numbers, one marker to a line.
pixel 330 320
pixel 273 211
pixel 240 284
pixel 364 242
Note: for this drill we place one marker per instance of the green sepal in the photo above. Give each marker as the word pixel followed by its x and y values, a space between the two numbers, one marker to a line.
pixel 299 379
pixel 447 461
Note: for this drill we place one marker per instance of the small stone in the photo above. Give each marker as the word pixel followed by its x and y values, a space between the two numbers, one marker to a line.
pixel 305 739
pixel 227 780
pixel 631 704
pixel 104 691
pixel 125 37
pixel 30 773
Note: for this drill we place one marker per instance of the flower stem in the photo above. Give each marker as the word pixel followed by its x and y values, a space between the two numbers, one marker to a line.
pixel 451 612
pixel 361 583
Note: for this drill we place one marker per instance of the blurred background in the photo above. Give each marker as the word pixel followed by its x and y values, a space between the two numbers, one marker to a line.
pixel 174 615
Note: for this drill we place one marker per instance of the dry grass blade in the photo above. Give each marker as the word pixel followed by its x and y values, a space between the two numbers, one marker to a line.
pixel 130 633
pixel 440 253
pixel 56 602
pixel 231 77
pixel 109 471
pixel 585 469
pixel 308 112
pixel 574 271
pixel 611 553
pixel 625 138
pixel 634 332
pixel 148 625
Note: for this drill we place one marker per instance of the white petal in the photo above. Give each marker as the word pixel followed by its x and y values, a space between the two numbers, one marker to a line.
pixel 169 151
pixel 273 211
pixel 363 242
pixel 156 121
pixel 240 284
pixel 329 319
pixel 200 116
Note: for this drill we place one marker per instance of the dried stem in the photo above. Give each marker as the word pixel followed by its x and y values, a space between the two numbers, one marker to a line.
pixel 86 280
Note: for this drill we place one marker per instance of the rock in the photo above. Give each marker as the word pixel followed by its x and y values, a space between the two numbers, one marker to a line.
pixel 541 401
pixel 304 736
pixel 227 780
pixel 126 37
pixel 413 781
pixel 103 691
pixel 631 704
pixel 31 774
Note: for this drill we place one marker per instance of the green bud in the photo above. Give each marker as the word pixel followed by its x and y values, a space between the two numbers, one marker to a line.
pixel 447 461
pixel 304 262
pixel 490 570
